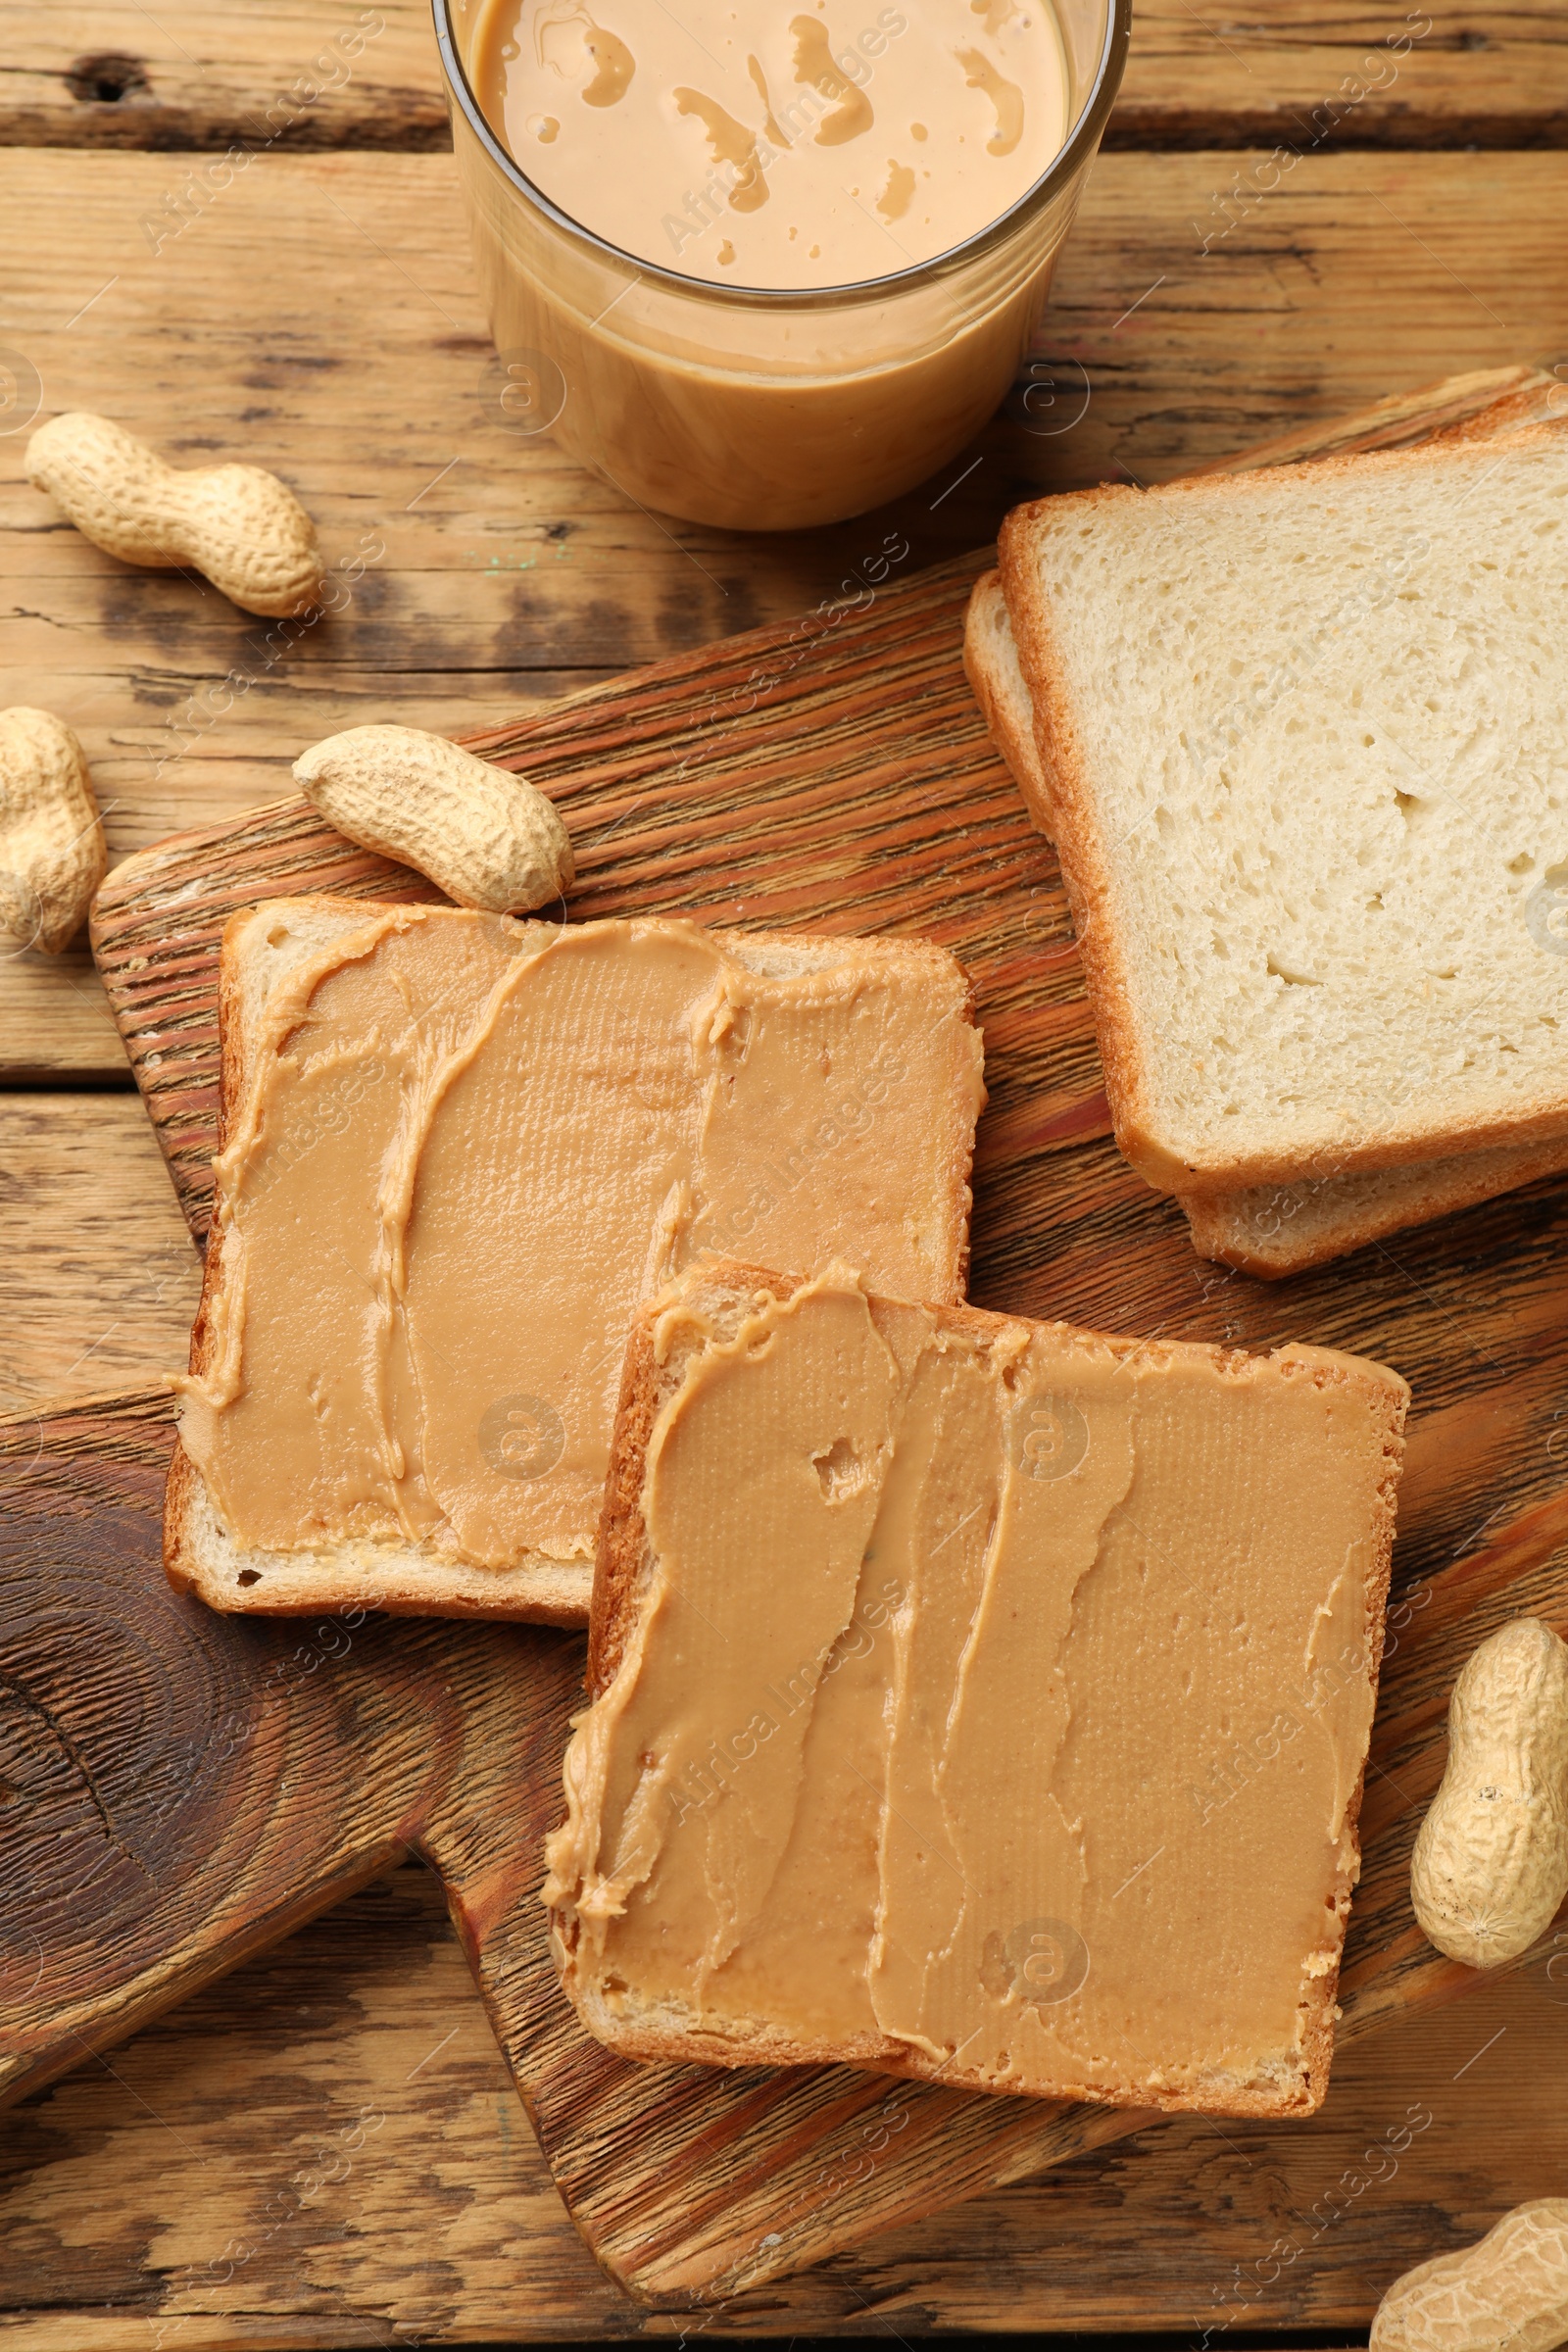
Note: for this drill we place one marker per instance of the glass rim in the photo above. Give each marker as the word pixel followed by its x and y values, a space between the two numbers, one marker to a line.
pixel 1076 150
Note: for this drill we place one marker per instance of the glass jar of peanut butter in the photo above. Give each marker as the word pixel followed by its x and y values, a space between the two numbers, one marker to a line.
pixel 766 270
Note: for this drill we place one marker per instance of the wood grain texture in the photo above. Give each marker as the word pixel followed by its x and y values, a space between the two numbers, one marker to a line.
pixel 203 75
pixel 98 1279
pixel 55 1022
pixel 1491 77
pixel 183 1788
pixel 213 74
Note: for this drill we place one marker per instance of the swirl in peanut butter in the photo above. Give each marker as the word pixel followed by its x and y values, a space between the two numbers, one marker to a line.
pixel 753 145
pixel 731 143
pixel 569 44
pixel 816 67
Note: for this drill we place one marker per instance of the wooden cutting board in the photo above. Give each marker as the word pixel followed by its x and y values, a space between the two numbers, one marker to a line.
pixel 834 775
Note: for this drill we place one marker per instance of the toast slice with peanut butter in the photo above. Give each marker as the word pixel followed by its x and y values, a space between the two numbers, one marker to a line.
pixel 977 1699
pixel 457 1150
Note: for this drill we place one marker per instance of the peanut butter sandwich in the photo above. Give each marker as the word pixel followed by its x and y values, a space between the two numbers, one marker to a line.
pixel 977 1699
pixel 457 1150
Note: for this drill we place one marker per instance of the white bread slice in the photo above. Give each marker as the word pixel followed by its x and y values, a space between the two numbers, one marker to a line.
pixel 280 940
pixel 1275 1229
pixel 790 1673
pixel 1306 730
pixel 1271 1230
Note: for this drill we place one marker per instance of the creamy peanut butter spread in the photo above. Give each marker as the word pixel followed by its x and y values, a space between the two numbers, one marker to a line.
pixel 995 1697
pixel 465 1147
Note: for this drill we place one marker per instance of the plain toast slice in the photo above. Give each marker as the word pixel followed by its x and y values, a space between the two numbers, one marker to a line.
pixel 996 677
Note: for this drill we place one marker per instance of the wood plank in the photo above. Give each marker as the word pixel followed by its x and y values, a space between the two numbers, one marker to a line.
pixel 55 1021
pixel 1283 74
pixel 514 575
pixel 1360 274
pixel 127 2196
pixel 205 73
pixel 98 1279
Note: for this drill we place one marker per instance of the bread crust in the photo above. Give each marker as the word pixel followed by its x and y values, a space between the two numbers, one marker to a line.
pixel 623 1564
pixel 402 1578
pixel 1008 711
pixel 1136 1108
pixel 620 1555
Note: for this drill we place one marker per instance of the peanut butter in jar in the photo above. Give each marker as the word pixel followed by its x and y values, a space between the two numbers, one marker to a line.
pixel 766 266
pixel 757 146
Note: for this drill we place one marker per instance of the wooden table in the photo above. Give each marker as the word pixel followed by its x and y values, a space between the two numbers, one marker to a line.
pixel 1258 246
